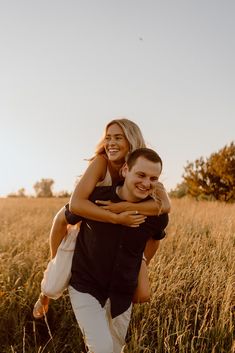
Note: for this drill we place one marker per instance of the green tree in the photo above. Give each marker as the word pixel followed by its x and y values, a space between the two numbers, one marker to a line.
pixel 214 177
pixel 43 188
pixel 180 191
pixel 21 192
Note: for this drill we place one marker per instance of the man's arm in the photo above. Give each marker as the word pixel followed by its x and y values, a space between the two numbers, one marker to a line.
pixel 158 224
pixel 150 249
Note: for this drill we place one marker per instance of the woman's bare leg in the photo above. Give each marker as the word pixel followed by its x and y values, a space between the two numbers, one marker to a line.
pixel 57 233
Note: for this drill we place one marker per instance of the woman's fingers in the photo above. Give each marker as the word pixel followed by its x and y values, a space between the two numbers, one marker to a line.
pixel 138 219
pixel 102 202
pixel 131 219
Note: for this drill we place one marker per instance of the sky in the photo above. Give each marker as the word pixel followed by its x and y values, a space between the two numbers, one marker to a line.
pixel 68 67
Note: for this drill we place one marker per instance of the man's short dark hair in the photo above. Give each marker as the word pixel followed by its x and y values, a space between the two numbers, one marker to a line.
pixel 147 153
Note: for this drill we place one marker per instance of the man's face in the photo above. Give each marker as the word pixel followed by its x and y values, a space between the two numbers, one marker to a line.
pixel 141 179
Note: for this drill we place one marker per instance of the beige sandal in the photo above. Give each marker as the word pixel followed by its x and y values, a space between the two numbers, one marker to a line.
pixel 41 307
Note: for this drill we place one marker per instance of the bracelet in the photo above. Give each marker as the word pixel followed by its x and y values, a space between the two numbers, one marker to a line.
pixel 144 258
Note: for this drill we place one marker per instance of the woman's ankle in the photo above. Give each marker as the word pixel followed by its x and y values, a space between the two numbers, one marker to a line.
pixel 44 299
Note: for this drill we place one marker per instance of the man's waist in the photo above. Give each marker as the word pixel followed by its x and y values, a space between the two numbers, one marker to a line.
pixel 119 286
pixel 119 302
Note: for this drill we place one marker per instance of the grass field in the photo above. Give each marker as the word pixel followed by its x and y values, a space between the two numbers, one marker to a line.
pixel 192 276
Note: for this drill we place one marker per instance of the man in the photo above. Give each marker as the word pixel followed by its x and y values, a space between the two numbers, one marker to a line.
pixel 108 256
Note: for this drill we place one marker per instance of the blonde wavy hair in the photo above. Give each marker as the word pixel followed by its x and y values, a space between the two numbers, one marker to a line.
pixel 131 131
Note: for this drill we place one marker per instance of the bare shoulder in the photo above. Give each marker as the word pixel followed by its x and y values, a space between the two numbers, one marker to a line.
pixel 96 169
pixel 99 166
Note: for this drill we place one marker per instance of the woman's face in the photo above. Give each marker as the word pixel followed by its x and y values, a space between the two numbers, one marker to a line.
pixel 115 144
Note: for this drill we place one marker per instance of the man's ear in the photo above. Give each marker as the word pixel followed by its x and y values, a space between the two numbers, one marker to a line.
pixel 124 170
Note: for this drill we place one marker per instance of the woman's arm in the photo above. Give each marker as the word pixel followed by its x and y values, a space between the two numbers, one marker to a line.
pixel 94 173
pixel 79 203
pixel 160 194
pixel 158 205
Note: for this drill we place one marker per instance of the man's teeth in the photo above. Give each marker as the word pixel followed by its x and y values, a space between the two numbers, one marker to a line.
pixel 141 189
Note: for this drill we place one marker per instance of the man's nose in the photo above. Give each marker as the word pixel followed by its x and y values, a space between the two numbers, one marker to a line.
pixel 146 183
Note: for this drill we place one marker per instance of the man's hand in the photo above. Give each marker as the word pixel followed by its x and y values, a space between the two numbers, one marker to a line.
pixel 130 219
pixel 115 207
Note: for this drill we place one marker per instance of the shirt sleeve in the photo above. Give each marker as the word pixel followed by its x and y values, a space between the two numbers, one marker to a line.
pixel 158 224
pixel 71 217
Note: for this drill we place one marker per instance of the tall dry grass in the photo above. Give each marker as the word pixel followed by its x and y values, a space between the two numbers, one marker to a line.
pixel 192 276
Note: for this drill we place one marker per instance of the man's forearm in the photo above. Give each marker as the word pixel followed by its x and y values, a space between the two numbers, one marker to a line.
pixel 150 249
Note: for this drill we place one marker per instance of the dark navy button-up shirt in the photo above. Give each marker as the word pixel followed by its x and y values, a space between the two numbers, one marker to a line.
pixel 107 257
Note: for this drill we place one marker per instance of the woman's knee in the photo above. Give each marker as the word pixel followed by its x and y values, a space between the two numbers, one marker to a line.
pixel 60 218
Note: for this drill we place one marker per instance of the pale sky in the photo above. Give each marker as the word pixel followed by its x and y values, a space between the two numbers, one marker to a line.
pixel 68 67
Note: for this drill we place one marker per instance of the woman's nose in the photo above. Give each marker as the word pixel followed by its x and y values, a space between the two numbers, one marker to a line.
pixel 112 141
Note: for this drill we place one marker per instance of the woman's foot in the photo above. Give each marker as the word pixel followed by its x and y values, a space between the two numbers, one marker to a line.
pixel 41 306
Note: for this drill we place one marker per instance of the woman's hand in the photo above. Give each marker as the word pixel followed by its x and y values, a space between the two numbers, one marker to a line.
pixel 130 218
pixel 159 194
pixel 115 207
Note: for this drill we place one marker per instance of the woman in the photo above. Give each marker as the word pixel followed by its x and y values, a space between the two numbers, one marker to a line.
pixel 121 136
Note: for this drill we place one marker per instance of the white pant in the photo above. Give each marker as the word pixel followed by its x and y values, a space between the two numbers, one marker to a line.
pixel 102 334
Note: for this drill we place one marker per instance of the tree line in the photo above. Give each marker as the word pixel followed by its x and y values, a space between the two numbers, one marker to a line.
pixel 42 188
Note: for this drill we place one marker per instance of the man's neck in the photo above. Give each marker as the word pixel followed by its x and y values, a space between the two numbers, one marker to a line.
pixel 124 195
